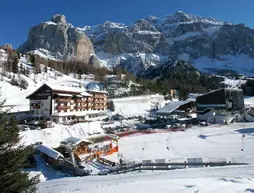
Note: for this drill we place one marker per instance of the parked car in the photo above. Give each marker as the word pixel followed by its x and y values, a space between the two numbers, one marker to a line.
pixel 150 130
pixel 168 126
pixel 203 123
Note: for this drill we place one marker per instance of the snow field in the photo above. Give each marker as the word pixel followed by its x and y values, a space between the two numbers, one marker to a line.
pixel 208 180
pixel 141 105
pixel 197 142
pixel 53 136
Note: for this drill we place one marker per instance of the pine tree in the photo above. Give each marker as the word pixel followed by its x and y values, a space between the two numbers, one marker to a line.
pixel 32 59
pixel 45 69
pixel 9 63
pixel 18 54
pixel 22 68
pixel 12 159
pixel 15 64
pixel 111 105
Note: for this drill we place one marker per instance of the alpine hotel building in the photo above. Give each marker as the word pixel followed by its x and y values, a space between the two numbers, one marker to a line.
pixel 66 104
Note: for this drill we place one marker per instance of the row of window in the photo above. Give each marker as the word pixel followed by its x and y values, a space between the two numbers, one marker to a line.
pixel 78 110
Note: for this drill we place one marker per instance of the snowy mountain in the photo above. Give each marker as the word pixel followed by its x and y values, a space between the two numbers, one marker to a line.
pixel 204 42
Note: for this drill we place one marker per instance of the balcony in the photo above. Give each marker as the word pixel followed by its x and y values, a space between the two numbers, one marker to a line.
pixel 88 107
pixel 99 97
pixel 79 101
pixel 63 100
pixel 63 107
pixel 99 107
pixel 79 107
pixel 99 101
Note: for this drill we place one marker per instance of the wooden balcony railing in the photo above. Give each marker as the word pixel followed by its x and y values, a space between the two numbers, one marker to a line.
pixel 99 107
pixel 63 100
pixel 99 96
pixel 63 107
pixel 88 107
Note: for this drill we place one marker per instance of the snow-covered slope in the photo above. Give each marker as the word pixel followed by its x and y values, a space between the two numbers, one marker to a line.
pixel 212 180
pixel 209 142
pixel 137 106
pixel 16 97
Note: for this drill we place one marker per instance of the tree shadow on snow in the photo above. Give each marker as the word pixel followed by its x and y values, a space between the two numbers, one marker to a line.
pixel 203 136
pixel 249 190
pixel 230 180
pixel 246 131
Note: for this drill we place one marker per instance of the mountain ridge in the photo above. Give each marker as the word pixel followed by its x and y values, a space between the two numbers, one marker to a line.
pixel 204 42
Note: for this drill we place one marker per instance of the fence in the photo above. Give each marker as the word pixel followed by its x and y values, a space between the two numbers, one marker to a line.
pixel 160 164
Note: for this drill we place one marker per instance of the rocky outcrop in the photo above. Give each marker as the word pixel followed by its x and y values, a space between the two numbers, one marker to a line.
pixel 59 38
pixel 159 41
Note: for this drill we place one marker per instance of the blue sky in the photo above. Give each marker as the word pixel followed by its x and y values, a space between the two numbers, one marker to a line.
pixel 17 17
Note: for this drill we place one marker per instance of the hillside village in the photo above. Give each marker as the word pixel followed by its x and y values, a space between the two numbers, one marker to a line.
pixel 82 119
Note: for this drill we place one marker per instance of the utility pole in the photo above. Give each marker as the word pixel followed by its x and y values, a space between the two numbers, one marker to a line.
pixel 168 145
pixel 143 149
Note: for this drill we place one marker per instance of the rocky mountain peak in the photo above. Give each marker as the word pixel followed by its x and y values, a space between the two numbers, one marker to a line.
pixel 59 40
pixel 58 18
pixel 180 35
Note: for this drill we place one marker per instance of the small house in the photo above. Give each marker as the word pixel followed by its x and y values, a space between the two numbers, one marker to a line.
pixel 50 155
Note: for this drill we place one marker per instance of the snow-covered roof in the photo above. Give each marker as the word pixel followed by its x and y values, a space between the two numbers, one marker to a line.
pixel 228 89
pixel 75 141
pixel 98 91
pixel 169 108
pixel 65 88
pixel 93 86
pixel 60 94
pixel 85 93
pixel 49 152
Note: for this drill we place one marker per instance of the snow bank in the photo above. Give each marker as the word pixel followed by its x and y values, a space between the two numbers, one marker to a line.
pixel 212 180
pixel 53 136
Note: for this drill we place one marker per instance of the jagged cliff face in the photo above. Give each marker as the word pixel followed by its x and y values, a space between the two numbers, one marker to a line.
pixel 60 39
pixel 148 43
pixel 204 42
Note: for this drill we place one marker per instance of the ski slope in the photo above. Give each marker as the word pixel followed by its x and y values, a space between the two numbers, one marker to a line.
pixel 209 180
pixel 212 142
pixel 135 106
pixel 197 142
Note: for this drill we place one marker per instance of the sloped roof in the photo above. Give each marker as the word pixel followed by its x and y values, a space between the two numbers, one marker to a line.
pixel 75 90
pixel 65 88
pixel 226 89
pixel 75 141
pixel 83 93
pixel 169 108
pixel 49 152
